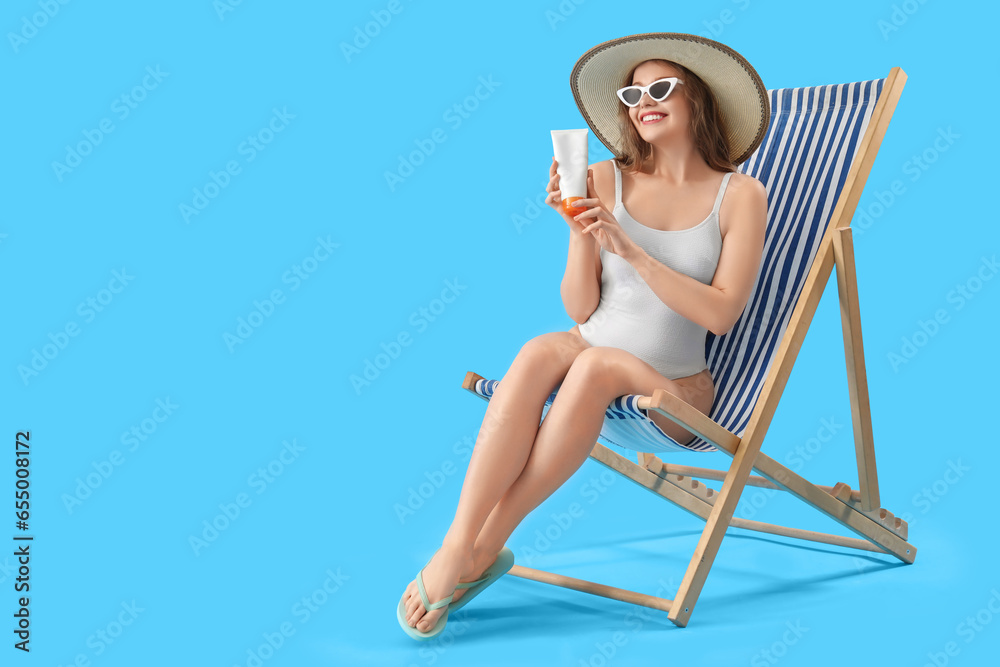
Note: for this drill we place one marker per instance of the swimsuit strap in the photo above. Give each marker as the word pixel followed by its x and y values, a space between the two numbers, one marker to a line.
pixel 618 183
pixel 722 191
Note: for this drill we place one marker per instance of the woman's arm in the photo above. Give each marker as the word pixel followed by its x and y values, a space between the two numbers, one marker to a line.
pixel 717 306
pixel 581 284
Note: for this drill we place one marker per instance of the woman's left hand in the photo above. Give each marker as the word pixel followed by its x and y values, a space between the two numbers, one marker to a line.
pixel 602 224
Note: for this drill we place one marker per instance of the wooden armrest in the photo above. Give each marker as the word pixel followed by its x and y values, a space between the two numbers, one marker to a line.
pixel 681 412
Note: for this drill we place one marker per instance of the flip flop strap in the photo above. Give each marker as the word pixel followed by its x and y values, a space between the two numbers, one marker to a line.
pixel 423 594
pixel 467 584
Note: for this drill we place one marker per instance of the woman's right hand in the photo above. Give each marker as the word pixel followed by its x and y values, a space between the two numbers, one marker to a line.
pixel 554 199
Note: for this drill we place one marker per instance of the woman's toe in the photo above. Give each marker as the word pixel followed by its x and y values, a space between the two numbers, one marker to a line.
pixel 425 623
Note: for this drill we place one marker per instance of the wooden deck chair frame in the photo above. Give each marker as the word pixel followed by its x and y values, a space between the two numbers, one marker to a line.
pixel 859 510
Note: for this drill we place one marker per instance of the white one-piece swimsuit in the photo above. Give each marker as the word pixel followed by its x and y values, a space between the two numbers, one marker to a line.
pixel 631 317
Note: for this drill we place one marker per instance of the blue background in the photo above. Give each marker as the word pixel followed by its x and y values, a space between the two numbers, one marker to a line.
pixel 122 539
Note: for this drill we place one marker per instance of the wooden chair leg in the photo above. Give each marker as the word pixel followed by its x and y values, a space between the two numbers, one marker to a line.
pixel 857 379
pixel 715 530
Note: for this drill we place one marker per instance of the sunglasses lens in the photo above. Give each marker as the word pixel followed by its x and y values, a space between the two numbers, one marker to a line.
pixel 631 95
pixel 660 89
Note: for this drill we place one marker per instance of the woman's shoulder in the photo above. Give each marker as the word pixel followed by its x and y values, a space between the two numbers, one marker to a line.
pixel 604 166
pixel 746 183
pixel 745 192
pixel 745 203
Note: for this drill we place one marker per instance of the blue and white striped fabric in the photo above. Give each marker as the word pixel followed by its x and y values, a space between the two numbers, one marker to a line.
pixel 803 161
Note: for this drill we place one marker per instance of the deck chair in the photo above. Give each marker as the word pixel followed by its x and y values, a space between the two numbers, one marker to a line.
pixel 814 161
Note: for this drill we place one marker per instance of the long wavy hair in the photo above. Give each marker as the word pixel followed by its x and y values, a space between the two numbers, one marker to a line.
pixel 706 124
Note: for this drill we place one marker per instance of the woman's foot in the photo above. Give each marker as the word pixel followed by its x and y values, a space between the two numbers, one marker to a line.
pixel 441 575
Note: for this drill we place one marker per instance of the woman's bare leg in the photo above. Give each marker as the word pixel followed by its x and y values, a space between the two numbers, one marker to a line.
pixel 568 434
pixel 501 451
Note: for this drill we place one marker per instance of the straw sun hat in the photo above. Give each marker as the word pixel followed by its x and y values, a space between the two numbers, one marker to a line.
pixel 743 100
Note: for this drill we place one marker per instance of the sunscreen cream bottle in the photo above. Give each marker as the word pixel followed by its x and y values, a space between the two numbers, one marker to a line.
pixel 570 148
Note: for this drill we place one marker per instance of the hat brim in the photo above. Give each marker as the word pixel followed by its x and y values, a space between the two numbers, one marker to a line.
pixel 743 101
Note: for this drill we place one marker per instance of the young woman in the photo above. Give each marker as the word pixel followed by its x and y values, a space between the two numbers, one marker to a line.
pixel 679 112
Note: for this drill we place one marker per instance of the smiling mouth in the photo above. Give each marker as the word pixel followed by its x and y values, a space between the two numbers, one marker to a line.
pixel 652 118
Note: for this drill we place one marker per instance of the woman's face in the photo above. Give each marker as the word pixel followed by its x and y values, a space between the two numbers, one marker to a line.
pixel 673 112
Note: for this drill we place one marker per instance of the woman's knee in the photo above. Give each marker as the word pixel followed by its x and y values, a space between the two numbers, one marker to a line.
pixel 593 368
pixel 555 350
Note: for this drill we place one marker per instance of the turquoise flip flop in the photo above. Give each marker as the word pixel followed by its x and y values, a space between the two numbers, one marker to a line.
pixel 503 563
